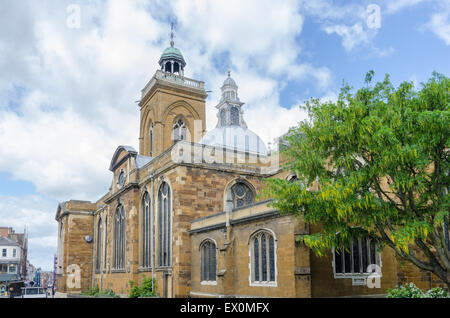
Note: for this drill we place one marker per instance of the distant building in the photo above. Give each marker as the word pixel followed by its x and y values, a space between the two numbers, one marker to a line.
pixel 13 255
pixel 10 260
pixel 30 272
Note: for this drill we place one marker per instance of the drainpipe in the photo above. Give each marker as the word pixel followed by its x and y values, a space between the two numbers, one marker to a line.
pixel 152 233
pixel 93 250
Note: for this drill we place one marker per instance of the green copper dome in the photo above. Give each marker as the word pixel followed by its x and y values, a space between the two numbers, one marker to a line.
pixel 172 53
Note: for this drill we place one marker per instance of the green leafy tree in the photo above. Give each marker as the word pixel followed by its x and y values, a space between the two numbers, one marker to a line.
pixel 380 158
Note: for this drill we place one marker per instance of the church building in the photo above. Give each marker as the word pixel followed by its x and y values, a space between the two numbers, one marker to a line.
pixel 186 210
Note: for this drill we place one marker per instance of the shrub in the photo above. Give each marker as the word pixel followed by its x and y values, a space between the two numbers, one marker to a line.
pixel 107 293
pixel 437 293
pixel 96 292
pixel 412 291
pixel 91 292
pixel 145 290
pixel 407 291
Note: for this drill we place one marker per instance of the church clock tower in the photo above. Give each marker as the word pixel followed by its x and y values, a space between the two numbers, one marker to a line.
pixel 172 106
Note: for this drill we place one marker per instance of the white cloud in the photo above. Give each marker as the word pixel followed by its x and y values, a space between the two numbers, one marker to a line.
pixel 351 35
pixel 439 24
pixel 398 5
pixel 349 21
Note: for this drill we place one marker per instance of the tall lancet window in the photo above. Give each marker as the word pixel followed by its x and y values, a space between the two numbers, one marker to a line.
pixel 263 258
pixel 164 220
pixel 151 140
pixel 234 114
pixel 146 230
pixel 223 118
pixel 119 238
pixel 208 261
pixel 99 244
pixel 106 241
pixel 179 130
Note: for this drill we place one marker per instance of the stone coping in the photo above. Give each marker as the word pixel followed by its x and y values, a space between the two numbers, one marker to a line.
pixel 246 214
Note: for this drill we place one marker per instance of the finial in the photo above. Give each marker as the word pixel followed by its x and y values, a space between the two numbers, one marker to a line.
pixel 229 71
pixel 171 36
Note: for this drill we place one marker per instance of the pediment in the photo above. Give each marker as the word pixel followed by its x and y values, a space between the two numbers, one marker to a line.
pixel 120 155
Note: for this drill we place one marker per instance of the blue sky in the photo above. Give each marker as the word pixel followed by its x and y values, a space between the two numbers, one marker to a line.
pixel 67 93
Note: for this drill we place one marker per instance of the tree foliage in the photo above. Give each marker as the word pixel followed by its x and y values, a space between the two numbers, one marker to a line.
pixel 147 288
pixel 380 157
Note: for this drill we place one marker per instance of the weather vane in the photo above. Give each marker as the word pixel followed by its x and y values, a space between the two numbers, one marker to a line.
pixel 171 35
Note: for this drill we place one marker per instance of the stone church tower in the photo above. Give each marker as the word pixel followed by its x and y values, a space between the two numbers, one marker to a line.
pixel 172 106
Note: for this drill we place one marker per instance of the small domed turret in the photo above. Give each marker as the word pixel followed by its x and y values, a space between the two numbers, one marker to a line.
pixel 231 130
pixel 172 60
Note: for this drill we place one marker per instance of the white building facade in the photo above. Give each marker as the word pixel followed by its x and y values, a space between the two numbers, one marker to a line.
pixel 10 260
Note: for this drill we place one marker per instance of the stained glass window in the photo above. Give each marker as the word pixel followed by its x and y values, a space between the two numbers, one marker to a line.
pixel 179 130
pixel 208 261
pixel 146 229
pixel 99 244
pixel 241 195
pixel 164 212
pixel 263 257
pixel 119 238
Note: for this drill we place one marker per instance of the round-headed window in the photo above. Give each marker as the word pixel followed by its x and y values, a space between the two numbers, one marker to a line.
pixel 241 195
pixel 121 179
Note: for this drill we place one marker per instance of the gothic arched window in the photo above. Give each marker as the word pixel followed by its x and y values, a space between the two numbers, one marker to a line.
pixel 262 253
pixel 223 118
pixel 106 240
pixel 234 116
pixel 99 244
pixel 208 261
pixel 151 140
pixel 179 130
pixel 119 238
pixel 241 195
pixel 146 230
pixel 164 213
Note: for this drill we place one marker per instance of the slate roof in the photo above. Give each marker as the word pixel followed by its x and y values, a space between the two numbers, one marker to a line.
pixel 7 242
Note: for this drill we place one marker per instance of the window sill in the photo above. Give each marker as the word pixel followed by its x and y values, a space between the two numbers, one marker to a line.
pixel 357 275
pixel 118 271
pixel 208 282
pixel 264 284
pixel 164 269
